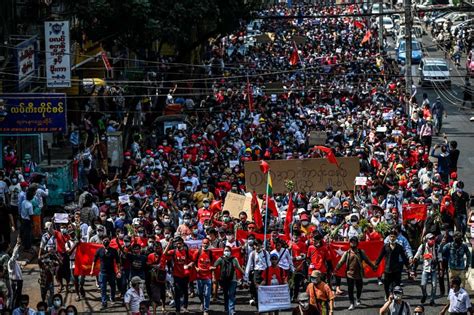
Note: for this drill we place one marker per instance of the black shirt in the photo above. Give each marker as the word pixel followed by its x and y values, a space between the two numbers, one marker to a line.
pixel 108 258
pixel 137 262
pixel 460 203
pixel 392 258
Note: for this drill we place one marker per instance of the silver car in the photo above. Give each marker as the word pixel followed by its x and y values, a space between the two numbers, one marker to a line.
pixel 434 71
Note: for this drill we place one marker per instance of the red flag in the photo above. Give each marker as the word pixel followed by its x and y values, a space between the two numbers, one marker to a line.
pixel 289 216
pixel 264 167
pixel 359 25
pixel 216 206
pixel 250 95
pixel 414 211
pixel 371 248
pixel 329 154
pixel 294 57
pixel 85 253
pixel 366 38
pixel 255 209
pixel 272 205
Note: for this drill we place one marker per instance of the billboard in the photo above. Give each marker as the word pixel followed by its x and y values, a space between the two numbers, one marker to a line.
pixel 26 61
pixel 33 113
pixel 58 54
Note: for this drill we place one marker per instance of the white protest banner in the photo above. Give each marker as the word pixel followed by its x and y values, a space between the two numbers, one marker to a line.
pixel 124 199
pixel 61 218
pixel 233 163
pixel 236 203
pixel 193 244
pixel 273 298
pixel 361 181
pixel 58 54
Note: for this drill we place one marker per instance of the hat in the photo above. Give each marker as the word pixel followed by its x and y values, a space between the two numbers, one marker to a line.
pixel 274 255
pixel 136 280
pixel 398 289
pixel 24 184
pixel 127 154
pixel 301 210
pixel 47 225
pixel 399 166
pixel 429 236
pixel 316 274
pixel 304 217
pixel 303 297
pixel 453 175
pixel 345 204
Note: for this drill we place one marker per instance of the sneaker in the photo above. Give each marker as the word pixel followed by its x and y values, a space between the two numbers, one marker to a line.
pixel 380 282
pixel 171 303
pixel 423 299
pixel 202 307
pixel 357 302
pixel 252 302
pixel 351 307
pixel 432 303
pixel 103 307
pixel 205 313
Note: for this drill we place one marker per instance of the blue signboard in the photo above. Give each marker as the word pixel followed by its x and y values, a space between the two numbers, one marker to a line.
pixel 26 57
pixel 33 113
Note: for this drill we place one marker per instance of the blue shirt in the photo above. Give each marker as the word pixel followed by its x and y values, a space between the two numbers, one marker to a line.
pixel 455 256
pixel 26 210
pixel 402 240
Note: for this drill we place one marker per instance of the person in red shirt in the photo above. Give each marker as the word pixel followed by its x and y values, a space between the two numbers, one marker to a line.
pixel 299 261
pixel 181 264
pixel 204 213
pixel 318 255
pixel 157 264
pixel 64 270
pixel 202 263
pixel 274 274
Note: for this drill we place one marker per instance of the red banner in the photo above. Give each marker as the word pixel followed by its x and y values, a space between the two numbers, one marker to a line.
pixel 372 249
pixel 415 211
pixel 85 253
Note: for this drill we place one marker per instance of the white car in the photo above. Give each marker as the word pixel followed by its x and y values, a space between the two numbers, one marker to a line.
pixel 454 17
pixel 434 71
pixel 376 8
pixel 388 25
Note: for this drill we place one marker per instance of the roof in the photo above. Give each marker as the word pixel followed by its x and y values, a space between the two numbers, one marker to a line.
pixel 434 61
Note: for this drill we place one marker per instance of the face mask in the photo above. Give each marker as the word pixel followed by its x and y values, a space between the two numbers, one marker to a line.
pixel 451 233
pixel 329 193
pixel 188 188
pixel 100 233
pixel 151 244
pixel 205 190
pixel 122 217
pixel 206 205
pixel 304 305
pixel 447 203
pixel 126 243
pixel 70 313
pixel 392 241
pixel 141 234
pixel 229 237
pixel 113 205
pixel 227 253
pixel 166 220
pixel 184 201
pixel 250 242
pixel 186 221
pixel 57 303
pixel 195 231
pixel 397 297
pixel 167 236
pixel 304 223
pixel 431 243
pixel 44 313
pixel 158 231
pixel 14 180
pixel 164 198
pixel 226 219
pixel 64 231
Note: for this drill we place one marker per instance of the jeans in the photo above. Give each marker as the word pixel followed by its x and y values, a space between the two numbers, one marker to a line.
pixel 180 291
pixel 438 123
pixel 433 278
pixel 17 288
pixel 25 232
pixel 49 288
pixel 460 223
pixel 391 280
pixel 229 289
pixel 105 279
pixel 123 282
pixel 350 288
pixel 204 291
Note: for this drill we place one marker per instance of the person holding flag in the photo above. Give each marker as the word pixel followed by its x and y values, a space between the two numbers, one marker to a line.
pixel 353 259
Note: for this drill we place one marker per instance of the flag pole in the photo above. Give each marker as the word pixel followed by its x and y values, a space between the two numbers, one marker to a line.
pixel 266 214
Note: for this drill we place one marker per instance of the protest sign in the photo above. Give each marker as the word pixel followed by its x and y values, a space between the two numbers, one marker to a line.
pixel 124 199
pixel 317 138
pixel 307 175
pixel 193 244
pixel 236 203
pixel 61 218
pixel 413 211
pixel 361 181
pixel 273 298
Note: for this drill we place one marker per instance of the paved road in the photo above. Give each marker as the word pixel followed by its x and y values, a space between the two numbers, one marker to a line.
pixel 457 126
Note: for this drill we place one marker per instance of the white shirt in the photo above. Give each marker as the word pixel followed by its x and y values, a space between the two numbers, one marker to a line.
pixel 332 202
pixel 459 302
pixel 257 261
pixel 134 298
pixel 286 261
pixel 40 194
pixel 14 270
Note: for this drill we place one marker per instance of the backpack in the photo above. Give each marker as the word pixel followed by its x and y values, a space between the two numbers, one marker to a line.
pixel 227 270
pixel 209 252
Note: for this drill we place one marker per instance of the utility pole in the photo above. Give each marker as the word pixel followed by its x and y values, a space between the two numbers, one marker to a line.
pixel 408 50
pixel 381 28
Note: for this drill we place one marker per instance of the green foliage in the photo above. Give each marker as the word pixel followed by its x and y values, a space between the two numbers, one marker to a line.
pixel 383 228
pixel 363 224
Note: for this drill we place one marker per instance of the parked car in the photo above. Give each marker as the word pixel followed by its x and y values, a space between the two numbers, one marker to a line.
pixel 376 8
pixel 388 25
pixel 434 71
pixel 416 53
pixel 470 63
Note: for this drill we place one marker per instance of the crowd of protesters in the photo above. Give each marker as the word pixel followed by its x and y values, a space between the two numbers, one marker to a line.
pixel 175 185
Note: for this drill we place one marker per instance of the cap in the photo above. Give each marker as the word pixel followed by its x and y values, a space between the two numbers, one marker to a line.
pixel 345 203
pixel 429 236
pixel 127 154
pixel 303 297
pixel 274 255
pixel 398 289
pixel 301 210
pixel 24 184
pixel 399 166
pixel 47 225
pixel 304 217
pixel 316 274
pixel 136 280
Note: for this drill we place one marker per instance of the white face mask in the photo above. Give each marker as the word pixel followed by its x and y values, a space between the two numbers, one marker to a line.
pixel 57 303
pixel 227 253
